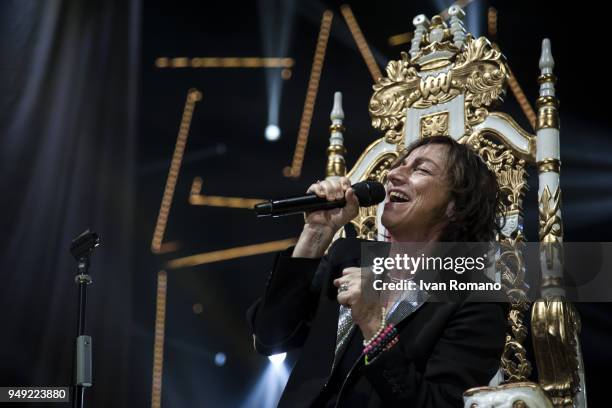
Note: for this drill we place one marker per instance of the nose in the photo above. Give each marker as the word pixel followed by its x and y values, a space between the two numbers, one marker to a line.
pixel 395 176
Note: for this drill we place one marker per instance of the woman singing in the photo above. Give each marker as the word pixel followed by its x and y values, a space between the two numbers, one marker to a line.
pixel 399 353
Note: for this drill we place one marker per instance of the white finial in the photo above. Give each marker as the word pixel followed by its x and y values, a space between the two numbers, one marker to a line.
pixel 457 29
pixel 420 23
pixel 547 63
pixel 336 166
pixel 337 114
pixel 337 117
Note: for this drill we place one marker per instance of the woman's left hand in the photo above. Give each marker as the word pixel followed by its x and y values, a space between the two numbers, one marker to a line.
pixel 365 310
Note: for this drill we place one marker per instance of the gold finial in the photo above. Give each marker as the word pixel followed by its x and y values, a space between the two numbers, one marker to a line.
pixel 437 22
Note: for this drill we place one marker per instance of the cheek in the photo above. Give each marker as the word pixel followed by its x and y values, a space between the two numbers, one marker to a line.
pixel 431 196
pixel 425 189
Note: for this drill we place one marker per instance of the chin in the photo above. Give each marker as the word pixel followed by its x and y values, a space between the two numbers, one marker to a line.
pixel 388 223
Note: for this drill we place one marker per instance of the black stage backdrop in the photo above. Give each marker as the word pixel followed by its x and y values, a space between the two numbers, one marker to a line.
pixel 68 77
pixel 69 73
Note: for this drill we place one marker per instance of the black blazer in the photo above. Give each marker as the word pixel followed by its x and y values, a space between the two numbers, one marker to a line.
pixel 444 348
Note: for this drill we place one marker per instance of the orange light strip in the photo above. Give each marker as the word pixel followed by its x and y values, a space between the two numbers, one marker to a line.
pixel 167 247
pixel 492 21
pixel 515 87
pixel 231 253
pixel 158 342
pixel 196 198
pixel 193 96
pixel 221 201
pixel 311 95
pixel 361 42
pixel 399 39
pixel 518 93
pixel 223 62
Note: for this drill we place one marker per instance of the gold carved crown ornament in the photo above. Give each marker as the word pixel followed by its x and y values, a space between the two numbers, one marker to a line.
pixel 439 72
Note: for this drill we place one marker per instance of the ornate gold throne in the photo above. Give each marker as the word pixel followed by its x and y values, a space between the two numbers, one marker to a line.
pixel 448 84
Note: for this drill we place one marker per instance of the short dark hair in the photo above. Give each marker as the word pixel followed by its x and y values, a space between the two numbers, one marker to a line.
pixel 472 186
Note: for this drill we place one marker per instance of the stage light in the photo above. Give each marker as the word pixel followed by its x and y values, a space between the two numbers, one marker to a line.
pixel 198 308
pixel 474 16
pixel 277 20
pixel 267 391
pixel 220 359
pixel 272 132
pixel 277 359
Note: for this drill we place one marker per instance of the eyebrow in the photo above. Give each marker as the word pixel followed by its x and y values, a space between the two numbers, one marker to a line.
pixel 420 160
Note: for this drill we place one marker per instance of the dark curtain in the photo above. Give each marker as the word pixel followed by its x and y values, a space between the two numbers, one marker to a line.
pixel 68 78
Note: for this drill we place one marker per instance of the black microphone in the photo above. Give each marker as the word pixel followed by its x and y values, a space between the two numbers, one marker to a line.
pixel 368 193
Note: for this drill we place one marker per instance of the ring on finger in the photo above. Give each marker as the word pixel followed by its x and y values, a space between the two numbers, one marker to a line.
pixel 343 288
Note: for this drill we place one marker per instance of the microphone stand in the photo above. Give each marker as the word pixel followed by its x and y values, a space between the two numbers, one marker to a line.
pixel 82 248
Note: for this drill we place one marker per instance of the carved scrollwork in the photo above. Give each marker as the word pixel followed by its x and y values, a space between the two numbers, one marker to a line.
pixel 509 169
pixel 483 70
pixel 478 71
pixel 394 93
pixel 511 176
pixel 514 361
pixel 551 227
pixel 365 222
pixel 515 365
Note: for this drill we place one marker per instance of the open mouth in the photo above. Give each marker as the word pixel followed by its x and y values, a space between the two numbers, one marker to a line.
pixel 397 197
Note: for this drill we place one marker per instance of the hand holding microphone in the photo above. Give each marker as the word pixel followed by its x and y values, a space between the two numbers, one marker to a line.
pixel 328 206
pixel 333 190
pixel 320 226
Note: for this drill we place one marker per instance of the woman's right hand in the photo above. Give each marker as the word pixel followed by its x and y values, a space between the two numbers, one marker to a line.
pixel 333 190
pixel 320 226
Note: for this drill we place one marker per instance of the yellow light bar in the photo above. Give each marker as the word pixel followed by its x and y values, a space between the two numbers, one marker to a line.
pixel 492 21
pixel 231 253
pixel 311 95
pixel 362 44
pixel 158 342
pixel 196 198
pixel 399 39
pixel 193 96
pixel 223 62
pixel 516 89
pixel 222 201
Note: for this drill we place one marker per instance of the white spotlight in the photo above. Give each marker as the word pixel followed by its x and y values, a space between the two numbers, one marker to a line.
pixel 272 132
pixel 220 359
pixel 277 359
